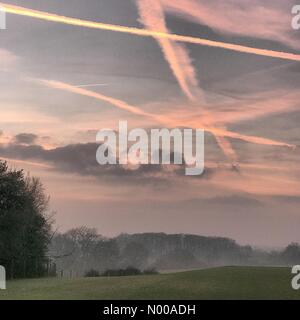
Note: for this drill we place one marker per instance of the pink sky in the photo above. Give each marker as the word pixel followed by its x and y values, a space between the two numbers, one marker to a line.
pixel 248 104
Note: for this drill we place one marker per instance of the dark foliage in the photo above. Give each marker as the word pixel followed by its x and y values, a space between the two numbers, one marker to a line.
pixel 129 271
pixel 92 274
pixel 24 224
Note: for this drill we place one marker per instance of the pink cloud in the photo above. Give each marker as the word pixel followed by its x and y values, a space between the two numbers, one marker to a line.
pixel 263 19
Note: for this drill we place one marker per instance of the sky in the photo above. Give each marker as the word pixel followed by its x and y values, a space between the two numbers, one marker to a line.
pixel 230 67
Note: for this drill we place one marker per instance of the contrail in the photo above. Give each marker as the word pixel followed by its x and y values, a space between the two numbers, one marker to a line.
pixel 153 17
pixel 162 119
pixel 227 148
pixel 74 89
pixel 37 164
pixel 92 85
pixel 252 139
pixel 146 33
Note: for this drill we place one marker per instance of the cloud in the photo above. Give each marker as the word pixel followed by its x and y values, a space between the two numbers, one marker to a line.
pixel 255 106
pixel 264 19
pixel 195 123
pixel 26 138
pixel 287 199
pixel 81 159
pixel 237 200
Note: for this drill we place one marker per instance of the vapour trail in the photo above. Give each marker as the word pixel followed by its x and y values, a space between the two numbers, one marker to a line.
pixel 84 92
pixel 146 33
pixel 92 85
pixel 153 17
pixel 36 164
pixel 160 118
pixel 227 148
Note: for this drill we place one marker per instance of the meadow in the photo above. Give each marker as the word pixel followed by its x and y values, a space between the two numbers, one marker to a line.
pixel 232 283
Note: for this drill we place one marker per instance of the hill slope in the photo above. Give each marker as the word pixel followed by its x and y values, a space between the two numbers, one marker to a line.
pixel 216 283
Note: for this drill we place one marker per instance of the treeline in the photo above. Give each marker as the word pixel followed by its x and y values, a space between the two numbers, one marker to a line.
pixel 82 249
pixel 289 256
pixel 25 225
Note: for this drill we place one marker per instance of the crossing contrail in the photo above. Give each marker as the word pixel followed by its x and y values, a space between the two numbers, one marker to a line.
pixel 152 15
pixel 84 92
pixel 146 33
pixel 218 132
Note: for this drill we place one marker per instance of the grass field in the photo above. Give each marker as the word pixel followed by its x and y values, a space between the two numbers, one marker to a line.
pixel 215 283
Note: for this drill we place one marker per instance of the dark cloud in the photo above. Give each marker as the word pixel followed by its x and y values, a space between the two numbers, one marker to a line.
pixel 81 159
pixel 287 199
pixel 26 138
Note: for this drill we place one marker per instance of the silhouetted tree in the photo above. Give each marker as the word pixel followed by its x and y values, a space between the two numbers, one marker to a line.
pixel 25 224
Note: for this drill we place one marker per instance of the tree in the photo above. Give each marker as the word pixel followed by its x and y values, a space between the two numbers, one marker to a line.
pixel 25 223
pixel 75 249
pixel 291 254
pixel 134 254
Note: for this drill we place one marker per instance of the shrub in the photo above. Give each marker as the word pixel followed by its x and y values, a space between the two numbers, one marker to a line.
pixel 129 271
pixel 150 271
pixel 92 274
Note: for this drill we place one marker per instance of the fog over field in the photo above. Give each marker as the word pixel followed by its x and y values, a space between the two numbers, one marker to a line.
pixel 80 250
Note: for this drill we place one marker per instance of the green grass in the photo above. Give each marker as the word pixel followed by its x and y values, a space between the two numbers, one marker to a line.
pixel 215 283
